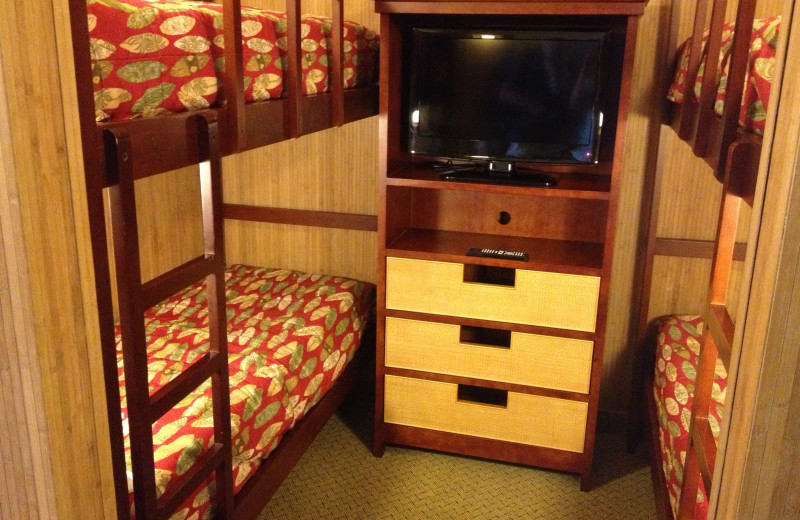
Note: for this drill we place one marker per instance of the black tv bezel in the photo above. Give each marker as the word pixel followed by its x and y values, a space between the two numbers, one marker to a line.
pixel 462 148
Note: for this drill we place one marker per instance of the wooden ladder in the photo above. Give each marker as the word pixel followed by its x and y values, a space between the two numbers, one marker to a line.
pixel 718 335
pixel 136 297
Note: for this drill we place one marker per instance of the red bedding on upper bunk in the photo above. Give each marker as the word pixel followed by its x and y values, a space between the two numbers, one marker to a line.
pixel 758 80
pixel 677 356
pixel 290 335
pixel 160 56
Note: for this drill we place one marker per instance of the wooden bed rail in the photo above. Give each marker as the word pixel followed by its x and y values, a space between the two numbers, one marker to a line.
pixel 710 135
pixel 243 126
pixel 301 114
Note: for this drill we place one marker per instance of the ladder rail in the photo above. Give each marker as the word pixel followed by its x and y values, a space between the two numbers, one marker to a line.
pixel 135 297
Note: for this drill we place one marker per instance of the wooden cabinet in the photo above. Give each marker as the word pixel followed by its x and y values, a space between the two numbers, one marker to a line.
pixel 493 357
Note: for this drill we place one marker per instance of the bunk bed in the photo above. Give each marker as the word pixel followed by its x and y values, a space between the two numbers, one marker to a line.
pixel 720 94
pixel 182 355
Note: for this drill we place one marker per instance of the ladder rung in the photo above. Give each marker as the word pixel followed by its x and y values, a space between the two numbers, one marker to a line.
pixel 722 328
pixel 171 393
pixel 163 286
pixel 204 466
pixel 706 447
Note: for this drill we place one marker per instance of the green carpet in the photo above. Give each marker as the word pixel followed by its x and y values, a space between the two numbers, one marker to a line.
pixel 339 478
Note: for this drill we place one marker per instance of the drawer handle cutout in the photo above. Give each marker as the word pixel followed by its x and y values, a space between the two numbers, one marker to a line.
pixel 481 395
pixel 487 337
pixel 490 275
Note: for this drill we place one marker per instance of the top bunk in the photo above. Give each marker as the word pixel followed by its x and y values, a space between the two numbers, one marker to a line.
pixel 721 88
pixel 146 68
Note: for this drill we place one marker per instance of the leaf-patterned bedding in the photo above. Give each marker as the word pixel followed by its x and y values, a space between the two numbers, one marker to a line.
pixel 758 79
pixel 677 356
pixel 152 57
pixel 290 334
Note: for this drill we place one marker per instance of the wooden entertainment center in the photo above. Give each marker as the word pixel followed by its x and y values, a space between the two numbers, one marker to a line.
pixel 493 357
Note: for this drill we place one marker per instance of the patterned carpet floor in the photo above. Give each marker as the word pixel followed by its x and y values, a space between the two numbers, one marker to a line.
pixel 339 478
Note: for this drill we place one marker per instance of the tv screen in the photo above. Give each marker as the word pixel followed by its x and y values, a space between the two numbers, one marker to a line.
pixel 506 95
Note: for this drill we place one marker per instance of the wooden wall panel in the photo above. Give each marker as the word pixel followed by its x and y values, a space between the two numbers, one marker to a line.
pixel 682 286
pixel 334 170
pixel 170 220
pixel 54 415
pixel 690 195
pixel 317 250
pixel 640 153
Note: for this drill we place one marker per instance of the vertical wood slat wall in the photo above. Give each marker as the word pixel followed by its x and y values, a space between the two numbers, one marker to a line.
pixel 53 425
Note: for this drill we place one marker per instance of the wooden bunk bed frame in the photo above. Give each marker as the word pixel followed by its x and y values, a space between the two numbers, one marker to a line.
pixel 733 155
pixel 725 147
pixel 115 156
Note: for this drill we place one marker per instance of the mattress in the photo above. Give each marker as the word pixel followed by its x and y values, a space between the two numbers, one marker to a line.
pixel 160 56
pixel 758 79
pixel 290 335
pixel 677 357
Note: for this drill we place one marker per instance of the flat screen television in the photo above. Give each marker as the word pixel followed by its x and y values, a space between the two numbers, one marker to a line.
pixel 499 97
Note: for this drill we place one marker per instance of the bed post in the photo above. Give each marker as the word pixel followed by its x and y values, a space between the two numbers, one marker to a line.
pixel 336 74
pixel 293 70
pixel 232 79
pixel 735 86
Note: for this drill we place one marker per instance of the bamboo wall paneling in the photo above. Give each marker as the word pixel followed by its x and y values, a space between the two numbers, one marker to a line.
pixel 334 170
pixel 333 251
pixel 170 222
pixel 638 155
pixel 47 284
pixel 77 116
pixel 26 477
pixel 676 288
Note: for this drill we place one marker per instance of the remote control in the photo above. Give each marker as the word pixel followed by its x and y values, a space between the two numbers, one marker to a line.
pixel 497 253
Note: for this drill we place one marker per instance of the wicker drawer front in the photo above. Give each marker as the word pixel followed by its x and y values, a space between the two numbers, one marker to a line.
pixel 530 359
pixel 557 300
pixel 527 419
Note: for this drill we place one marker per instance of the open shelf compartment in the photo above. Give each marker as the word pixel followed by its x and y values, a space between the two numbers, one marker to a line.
pixel 565 256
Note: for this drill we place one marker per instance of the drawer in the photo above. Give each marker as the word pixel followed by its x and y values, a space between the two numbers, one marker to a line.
pixel 559 300
pixel 528 419
pixel 525 359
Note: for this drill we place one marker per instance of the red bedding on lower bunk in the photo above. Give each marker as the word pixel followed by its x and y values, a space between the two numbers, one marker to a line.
pixel 677 356
pixel 161 56
pixel 290 335
pixel 758 81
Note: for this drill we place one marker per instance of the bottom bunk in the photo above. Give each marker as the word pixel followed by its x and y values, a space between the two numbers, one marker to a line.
pixel 292 337
pixel 676 342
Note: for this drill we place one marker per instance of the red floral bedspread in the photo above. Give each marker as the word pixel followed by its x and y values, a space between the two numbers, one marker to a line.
pixel 678 347
pixel 758 79
pixel 158 56
pixel 290 334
